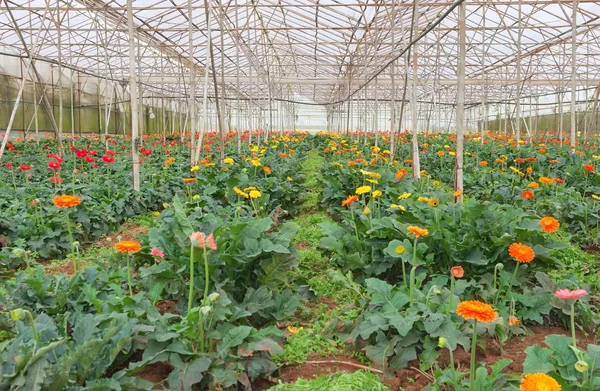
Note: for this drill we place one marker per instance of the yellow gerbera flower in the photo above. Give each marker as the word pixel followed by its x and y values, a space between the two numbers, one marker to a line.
pixel 363 190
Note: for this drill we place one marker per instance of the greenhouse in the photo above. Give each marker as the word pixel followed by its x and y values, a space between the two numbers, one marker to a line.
pixel 299 195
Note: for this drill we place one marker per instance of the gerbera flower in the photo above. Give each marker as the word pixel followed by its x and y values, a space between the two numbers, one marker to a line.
pixel 521 252
pixel 527 194
pixel 254 194
pixel 239 192
pixel 400 173
pixel 128 246
pixel 483 163
pixel 457 271
pixel 363 190
pixel 478 310
pixel 404 196
pixel 549 224
pixel 376 193
pixel 513 321
pixel 457 193
pixel 349 200
pixel 570 295
pixel 546 181
pixel 189 180
pixel 417 231
pixel 433 202
pixel 66 201
pixel 533 185
pixel 109 159
pixel 539 382
pixel 53 165
pixel 588 167
pixel 267 170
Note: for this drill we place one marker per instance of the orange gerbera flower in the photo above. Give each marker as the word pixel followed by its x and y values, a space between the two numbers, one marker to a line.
pixel 521 252
pixel 66 201
pixel 350 200
pixel 188 180
pixel 546 181
pixel 513 321
pixel 549 224
pixel 128 246
pixel 478 310
pixel 418 231
pixel 527 194
pixel 267 170
pixel 539 382
pixel 400 173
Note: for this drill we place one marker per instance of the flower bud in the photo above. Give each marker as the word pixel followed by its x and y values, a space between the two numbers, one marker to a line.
pixel 205 310
pixel 499 266
pixel 442 342
pixel 196 197
pixel 213 297
pixel 581 366
pixel 17 314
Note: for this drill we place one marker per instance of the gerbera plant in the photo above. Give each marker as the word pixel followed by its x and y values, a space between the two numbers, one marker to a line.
pixel 66 202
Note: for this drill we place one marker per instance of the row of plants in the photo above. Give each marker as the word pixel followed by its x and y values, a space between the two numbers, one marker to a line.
pixel 219 251
pixel 435 275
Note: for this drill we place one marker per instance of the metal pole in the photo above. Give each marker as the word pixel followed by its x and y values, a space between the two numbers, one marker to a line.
pixel 134 103
pixel 460 102
pixel 518 106
pixel 573 76
pixel 192 99
pixel 416 166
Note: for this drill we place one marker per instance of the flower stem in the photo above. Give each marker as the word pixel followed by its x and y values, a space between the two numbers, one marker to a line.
pixel 412 283
pixel 129 274
pixel 191 294
pixel 452 366
pixel 70 232
pixel 473 349
pixel 573 323
pixel 206 277
pixel 451 295
pixel 33 329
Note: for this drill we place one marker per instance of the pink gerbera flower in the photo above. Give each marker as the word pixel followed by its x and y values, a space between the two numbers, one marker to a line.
pixel 570 295
pixel 157 253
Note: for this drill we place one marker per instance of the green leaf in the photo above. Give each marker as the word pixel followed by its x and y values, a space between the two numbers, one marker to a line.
pixel 233 338
pixel 181 217
pixel 185 375
pixel 385 295
pixel 432 322
pixel 402 324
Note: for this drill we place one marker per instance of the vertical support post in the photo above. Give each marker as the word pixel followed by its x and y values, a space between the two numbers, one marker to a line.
pixel 59 47
pixel 573 77
pixel 416 165
pixel 518 106
pixel 460 102
pixel 135 155
pixel 192 99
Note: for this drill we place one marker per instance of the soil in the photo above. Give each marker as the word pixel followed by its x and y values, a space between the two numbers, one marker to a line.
pixel 308 370
pixel 67 268
pixel 166 306
pixel 128 231
pixel 412 379
pixel 156 373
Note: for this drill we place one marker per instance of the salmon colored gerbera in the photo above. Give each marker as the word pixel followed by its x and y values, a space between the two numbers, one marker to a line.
pixel 349 200
pixel 128 246
pixel 478 310
pixel 418 231
pixel 66 201
pixel 521 252
pixel 539 382
pixel 549 224
pixel 527 194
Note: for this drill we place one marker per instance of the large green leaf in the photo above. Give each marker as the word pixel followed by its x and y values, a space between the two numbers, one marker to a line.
pixel 233 338
pixel 538 360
